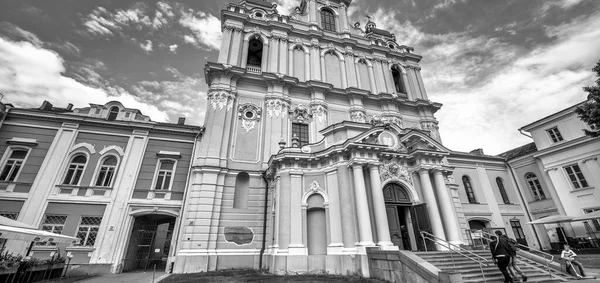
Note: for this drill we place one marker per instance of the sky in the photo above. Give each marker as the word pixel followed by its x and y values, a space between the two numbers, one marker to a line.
pixel 494 65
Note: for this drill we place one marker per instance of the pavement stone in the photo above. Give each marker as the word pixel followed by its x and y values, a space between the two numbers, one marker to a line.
pixel 130 277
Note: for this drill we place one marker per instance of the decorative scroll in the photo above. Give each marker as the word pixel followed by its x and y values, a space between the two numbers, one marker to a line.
pixel 390 169
pixel 250 115
pixel 220 98
pixel 276 107
pixel 314 187
pixel 301 114
pixel 319 110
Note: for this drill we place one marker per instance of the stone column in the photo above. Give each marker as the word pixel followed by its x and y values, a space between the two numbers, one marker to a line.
pixel 343 71
pixel 274 54
pixel 362 207
pixel 447 211
pixel 296 244
pixel 346 209
pixel 224 52
pixel 291 62
pixel 335 216
pixel 265 58
pixel 407 87
pixel 432 206
pixel 283 43
pixel 236 42
pixel 307 65
pixel 381 221
pixel 284 213
pixel 315 68
pixel 420 81
pixel 244 61
pixel 322 64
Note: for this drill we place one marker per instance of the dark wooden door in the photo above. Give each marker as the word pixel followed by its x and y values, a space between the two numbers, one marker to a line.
pixel 394 224
pixel 420 219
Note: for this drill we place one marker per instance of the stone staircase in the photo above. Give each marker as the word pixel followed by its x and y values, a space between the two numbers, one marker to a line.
pixel 471 271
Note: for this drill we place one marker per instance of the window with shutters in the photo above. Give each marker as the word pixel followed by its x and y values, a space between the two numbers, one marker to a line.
pixel 328 20
pixel 75 170
pixel 12 166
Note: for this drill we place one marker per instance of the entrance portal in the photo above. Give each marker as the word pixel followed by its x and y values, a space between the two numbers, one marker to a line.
pixel 398 207
pixel 150 243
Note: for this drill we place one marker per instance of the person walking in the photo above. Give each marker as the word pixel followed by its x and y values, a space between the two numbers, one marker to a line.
pixel 501 257
pixel 569 256
pixel 512 250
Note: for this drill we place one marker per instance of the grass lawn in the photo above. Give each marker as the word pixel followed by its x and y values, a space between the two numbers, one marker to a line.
pixel 257 276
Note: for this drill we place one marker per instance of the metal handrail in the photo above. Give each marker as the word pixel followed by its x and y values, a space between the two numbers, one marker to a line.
pixel 457 249
pixel 521 246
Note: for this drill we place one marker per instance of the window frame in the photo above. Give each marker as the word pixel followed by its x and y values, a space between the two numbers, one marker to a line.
pixel 518 228
pixel 68 166
pixel 157 171
pixel 502 189
pixel 327 26
pixel 469 191
pixel 533 189
pixel 595 223
pixel 555 135
pixel 6 158
pixel 42 224
pixel 116 113
pixel 578 183
pixel 83 241
pixel 99 167
pixel 301 125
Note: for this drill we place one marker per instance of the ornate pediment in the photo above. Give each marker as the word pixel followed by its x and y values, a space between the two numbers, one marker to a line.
pixel 393 169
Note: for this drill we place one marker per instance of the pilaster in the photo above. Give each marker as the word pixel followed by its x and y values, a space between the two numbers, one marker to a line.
pixel 381 221
pixel 447 210
pixel 432 205
pixel 347 209
pixel 362 207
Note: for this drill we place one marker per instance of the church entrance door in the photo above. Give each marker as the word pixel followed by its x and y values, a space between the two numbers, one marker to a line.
pixel 398 206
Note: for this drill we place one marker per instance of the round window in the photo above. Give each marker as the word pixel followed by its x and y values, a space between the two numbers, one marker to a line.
pixel 391 46
pixel 259 15
pixel 249 114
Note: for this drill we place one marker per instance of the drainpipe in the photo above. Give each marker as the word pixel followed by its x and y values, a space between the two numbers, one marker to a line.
pixel 185 193
pixel 264 240
pixel 512 174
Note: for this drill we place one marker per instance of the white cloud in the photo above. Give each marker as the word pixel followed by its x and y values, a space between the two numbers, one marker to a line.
pixel 147 46
pixel 286 7
pixel 173 48
pixel 206 29
pixel 30 75
pixel 16 33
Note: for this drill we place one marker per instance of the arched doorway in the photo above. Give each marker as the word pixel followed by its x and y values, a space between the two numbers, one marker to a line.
pixel 398 207
pixel 149 243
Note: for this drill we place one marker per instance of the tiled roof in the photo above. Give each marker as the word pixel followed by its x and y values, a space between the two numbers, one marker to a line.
pixel 519 151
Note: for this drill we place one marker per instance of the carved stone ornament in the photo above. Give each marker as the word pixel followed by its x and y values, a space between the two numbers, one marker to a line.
pixel 430 126
pixel 358 115
pixel 319 110
pixel 393 119
pixel 301 114
pixel 314 187
pixel 276 107
pixel 390 169
pixel 250 115
pixel 219 98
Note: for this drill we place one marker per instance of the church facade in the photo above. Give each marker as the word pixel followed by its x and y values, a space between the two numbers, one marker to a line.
pixel 321 142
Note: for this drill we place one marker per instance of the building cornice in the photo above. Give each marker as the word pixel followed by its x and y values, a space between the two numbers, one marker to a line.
pixel 552 117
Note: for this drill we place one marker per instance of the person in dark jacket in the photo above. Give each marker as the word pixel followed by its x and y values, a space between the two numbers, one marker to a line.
pixel 512 244
pixel 501 257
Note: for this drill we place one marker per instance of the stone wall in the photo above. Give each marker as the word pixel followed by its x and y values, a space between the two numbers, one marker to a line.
pixel 404 266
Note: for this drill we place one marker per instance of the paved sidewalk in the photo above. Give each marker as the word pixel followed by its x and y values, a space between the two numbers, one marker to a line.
pixel 130 277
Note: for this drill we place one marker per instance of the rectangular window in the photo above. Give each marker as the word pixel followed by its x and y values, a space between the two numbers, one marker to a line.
pixel 517 229
pixel 595 222
pixel 13 165
pixel 301 132
pixel 88 230
pixel 555 135
pixel 53 224
pixel 164 175
pixel 576 176
pixel 9 215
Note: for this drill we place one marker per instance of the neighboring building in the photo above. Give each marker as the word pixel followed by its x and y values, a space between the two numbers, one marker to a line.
pixel 335 118
pixel 105 174
pixel 559 174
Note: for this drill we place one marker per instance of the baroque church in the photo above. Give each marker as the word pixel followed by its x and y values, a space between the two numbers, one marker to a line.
pixel 320 142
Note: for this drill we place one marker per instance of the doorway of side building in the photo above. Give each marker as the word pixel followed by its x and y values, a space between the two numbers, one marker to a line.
pixel 400 215
pixel 149 243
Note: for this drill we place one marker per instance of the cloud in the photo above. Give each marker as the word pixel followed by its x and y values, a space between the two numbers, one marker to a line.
pixel 147 46
pixel 30 74
pixel 173 48
pixel 205 28
pixel 563 4
pixel 286 7
pixel 16 33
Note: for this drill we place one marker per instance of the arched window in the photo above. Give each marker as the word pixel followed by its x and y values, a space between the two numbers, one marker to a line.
pixel 328 20
pixel 164 175
pixel 469 189
pixel 242 186
pixel 316 229
pixel 333 73
pixel 535 186
pixel 106 172
pixel 398 82
pixel 113 113
pixel 255 52
pixel 502 190
pixel 75 170
pixel 363 73
pixel 299 68
pixel 13 164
